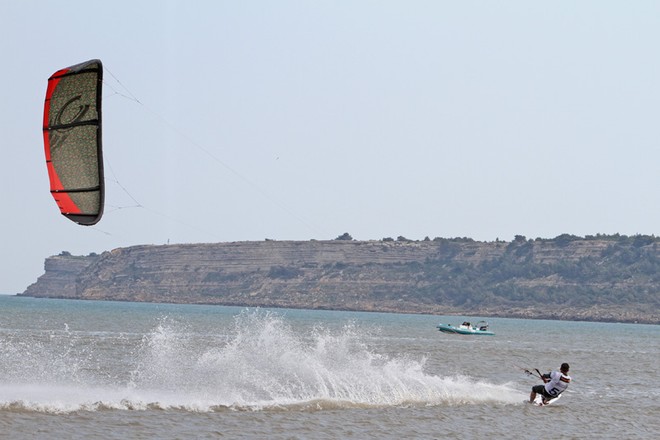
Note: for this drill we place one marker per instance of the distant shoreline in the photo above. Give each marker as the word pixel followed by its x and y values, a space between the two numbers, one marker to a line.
pixel 599 279
pixel 472 314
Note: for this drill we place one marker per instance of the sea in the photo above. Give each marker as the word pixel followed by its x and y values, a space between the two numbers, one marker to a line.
pixel 119 370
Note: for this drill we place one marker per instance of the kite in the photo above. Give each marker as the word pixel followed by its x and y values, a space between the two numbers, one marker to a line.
pixel 72 141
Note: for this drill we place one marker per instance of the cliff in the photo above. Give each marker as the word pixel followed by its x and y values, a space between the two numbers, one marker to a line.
pixel 606 279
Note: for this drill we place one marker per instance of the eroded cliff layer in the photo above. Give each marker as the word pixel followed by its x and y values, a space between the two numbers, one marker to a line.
pixel 609 280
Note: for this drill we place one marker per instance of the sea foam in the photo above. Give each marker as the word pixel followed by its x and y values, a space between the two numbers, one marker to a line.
pixel 260 362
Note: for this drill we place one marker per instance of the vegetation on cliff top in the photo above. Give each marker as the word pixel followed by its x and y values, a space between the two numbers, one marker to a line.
pixel 626 273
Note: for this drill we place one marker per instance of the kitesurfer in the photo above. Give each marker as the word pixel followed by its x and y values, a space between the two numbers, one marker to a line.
pixel 554 384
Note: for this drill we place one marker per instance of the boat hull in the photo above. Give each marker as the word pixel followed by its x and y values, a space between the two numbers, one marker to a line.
pixel 448 328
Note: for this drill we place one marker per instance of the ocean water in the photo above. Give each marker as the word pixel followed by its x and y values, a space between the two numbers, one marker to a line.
pixel 109 370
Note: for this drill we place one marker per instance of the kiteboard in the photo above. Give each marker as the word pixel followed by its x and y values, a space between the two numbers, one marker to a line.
pixel 539 400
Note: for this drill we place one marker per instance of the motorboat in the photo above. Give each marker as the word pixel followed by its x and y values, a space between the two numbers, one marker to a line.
pixel 480 328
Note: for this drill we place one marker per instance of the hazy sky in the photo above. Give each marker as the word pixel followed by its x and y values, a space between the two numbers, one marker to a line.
pixel 298 120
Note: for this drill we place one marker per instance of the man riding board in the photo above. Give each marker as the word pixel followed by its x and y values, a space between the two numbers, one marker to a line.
pixel 555 383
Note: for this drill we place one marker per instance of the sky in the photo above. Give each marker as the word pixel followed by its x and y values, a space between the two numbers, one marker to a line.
pixel 296 120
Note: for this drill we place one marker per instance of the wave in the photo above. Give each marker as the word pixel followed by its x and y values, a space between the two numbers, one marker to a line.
pixel 261 362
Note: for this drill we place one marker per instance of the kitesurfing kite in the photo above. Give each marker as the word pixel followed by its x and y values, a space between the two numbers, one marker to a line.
pixel 72 141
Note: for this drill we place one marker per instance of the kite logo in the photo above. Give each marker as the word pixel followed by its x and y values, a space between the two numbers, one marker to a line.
pixel 82 109
pixel 71 118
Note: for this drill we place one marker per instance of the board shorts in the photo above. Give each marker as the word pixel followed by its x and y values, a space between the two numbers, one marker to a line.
pixel 540 389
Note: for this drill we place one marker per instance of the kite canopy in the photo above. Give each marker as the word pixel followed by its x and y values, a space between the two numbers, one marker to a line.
pixel 72 141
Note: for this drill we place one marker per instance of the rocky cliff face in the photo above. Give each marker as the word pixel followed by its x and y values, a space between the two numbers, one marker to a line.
pixel 242 272
pixel 60 279
pixel 396 276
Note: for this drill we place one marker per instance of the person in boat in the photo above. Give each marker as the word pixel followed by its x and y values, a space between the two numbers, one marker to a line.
pixel 465 325
pixel 554 384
